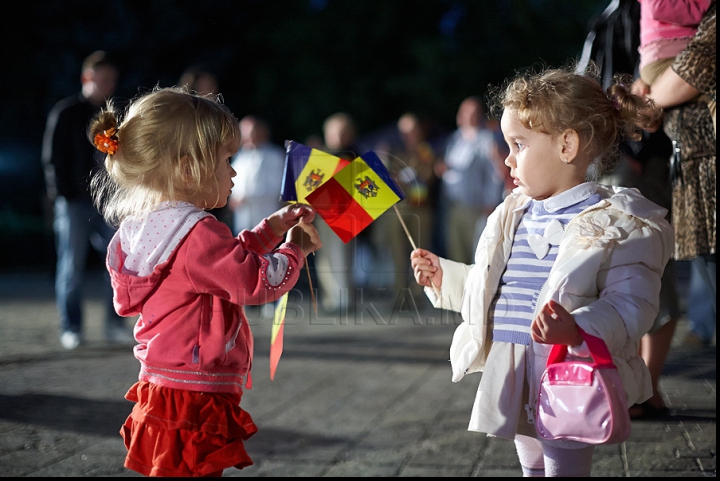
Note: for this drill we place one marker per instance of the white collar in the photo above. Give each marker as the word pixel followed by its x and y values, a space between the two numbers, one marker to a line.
pixel 565 199
pixel 570 197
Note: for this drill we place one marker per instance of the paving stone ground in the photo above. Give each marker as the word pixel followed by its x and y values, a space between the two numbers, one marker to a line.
pixel 362 394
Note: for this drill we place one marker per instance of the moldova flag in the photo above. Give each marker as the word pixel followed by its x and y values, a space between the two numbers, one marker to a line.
pixel 355 196
pixel 306 169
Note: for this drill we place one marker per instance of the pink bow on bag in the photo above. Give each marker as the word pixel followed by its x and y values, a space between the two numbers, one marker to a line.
pixel 582 401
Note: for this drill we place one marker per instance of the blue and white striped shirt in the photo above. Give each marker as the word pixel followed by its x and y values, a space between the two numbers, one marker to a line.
pixel 512 309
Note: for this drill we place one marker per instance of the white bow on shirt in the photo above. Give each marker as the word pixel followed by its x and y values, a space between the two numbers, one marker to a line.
pixel 540 244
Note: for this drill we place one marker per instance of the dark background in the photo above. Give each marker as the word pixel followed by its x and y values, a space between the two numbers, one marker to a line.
pixel 293 62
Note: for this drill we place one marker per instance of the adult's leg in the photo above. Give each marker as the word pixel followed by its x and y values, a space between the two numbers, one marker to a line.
pixel 72 229
pixel 100 237
pixel 331 267
pixel 655 345
pixel 711 274
pixel 463 232
pixel 654 350
pixel 701 299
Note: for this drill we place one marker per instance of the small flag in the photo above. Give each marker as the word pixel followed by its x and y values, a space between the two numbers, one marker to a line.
pixel 306 169
pixel 355 196
pixel 276 339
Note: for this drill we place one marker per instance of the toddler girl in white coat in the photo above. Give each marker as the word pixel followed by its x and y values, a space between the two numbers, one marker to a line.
pixel 560 252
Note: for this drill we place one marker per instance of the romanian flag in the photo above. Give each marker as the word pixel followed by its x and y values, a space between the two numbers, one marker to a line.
pixel 306 169
pixel 355 196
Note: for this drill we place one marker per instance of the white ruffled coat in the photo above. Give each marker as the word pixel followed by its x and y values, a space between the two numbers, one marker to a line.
pixel 607 275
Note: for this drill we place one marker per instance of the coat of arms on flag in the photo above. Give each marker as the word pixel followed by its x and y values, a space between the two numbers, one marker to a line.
pixel 306 169
pixel 355 196
pixel 367 187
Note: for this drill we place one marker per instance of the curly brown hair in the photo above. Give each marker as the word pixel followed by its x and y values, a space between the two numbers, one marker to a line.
pixel 553 100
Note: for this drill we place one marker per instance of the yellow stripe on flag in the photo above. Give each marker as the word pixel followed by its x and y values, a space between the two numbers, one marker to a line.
pixel 279 317
pixel 319 168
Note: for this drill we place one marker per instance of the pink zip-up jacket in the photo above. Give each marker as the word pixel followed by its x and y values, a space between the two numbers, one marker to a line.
pixel 188 278
pixel 666 26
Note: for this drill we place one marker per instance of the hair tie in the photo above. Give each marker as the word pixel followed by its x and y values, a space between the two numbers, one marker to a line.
pixel 616 104
pixel 106 141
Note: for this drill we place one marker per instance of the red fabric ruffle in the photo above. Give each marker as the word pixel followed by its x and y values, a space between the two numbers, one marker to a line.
pixel 171 432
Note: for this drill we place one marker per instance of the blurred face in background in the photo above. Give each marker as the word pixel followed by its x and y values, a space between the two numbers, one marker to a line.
pixel 411 131
pixel 253 132
pixel 468 115
pixel 99 84
pixel 339 134
pixel 206 84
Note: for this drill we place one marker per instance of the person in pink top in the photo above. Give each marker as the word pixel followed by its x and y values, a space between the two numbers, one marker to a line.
pixel 666 27
pixel 187 278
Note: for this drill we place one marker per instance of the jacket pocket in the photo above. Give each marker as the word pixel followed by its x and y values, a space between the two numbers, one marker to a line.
pixel 213 332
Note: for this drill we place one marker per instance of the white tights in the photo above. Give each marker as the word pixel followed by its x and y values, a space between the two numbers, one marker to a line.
pixel 541 460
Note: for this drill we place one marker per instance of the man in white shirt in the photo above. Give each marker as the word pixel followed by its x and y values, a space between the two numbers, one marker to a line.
pixel 259 165
pixel 472 184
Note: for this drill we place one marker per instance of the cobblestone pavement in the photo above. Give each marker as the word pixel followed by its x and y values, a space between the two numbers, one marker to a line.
pixel 362 394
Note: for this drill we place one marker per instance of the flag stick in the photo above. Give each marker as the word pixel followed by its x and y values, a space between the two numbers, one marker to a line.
pixel 412 243
pixel 312 291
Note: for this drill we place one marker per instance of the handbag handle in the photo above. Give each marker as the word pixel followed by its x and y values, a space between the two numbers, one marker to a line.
pixel 598 349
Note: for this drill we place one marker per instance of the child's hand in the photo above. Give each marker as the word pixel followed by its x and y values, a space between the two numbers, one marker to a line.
pixel 426 266
pixel 640 88
pixel 555 325
pixel 282 220
pixel 306 236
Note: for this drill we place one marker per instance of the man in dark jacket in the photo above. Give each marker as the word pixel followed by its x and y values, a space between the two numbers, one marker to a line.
pixel 69 159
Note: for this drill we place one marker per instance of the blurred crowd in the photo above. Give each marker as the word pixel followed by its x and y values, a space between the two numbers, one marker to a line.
pixel 453 177
pixel 452 181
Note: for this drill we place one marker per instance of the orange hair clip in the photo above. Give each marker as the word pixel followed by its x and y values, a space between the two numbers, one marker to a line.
pixel 106 142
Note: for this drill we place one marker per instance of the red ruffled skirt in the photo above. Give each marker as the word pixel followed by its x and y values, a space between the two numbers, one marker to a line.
pixel 171 432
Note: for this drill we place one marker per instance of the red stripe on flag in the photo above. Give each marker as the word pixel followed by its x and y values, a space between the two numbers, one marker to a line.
pixel 340 165
pixel 276 350
pixel 338 208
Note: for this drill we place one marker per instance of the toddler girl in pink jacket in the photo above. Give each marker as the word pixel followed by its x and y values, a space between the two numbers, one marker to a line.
pixel 187 277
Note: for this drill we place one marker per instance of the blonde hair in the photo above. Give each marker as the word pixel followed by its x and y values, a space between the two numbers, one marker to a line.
pixel 554 100
pixel 168 142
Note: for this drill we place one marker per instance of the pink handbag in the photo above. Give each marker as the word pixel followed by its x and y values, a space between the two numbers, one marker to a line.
pixel 582 401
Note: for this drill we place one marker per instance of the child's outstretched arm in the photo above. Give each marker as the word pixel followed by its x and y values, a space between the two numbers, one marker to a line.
pixel 555 325
pixel 282 220
pixel 426 267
